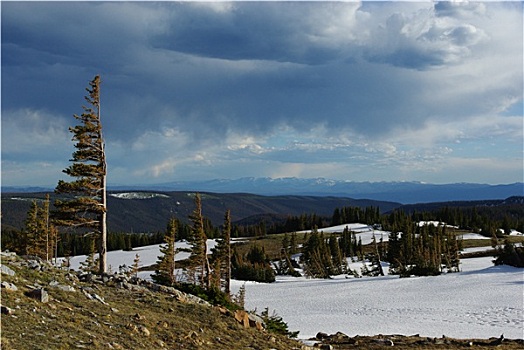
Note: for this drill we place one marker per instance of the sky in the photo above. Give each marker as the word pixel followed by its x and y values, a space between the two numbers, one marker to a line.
pixel 357 91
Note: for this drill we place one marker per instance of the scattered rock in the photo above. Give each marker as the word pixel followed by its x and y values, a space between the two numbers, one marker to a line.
pixel 99 298
pixel 6 270
pixel 144 331
pixel 139 317
pixel 86 277
pixel 35 264
pixel 66 288
pixel 63 287
pixel 7 254
pixel 6 310
pixel 132 327
pixel 9 286
pixel 256 321
pixel 192 335
pixel 223 310
pixel 87 294
pixel 324 346
pixel 39 294
pixel 242 317
pixel 321 336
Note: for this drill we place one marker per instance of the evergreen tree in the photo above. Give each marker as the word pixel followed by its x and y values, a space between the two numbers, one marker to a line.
pixel 293 244
pixel 54 238
pixel 222 256
pixel 89 264
pixel 34 234
pixel 316 256
pixel 338 262
pixel 136 265
pixel 509 255
pixel 45 213
pixel 285 266
pixel 255 266
pixel 393 255
pixel 165 268
pixel 199 267
pixel 376 258
pixel 86 206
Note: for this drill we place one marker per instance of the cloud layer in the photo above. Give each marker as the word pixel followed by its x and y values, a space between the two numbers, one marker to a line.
pixel 358 91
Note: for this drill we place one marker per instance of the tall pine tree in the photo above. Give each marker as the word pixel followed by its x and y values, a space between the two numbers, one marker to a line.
pixel 222 257
pixel 35 232
pixel 199 267
pixel 86 205
pixel 165 269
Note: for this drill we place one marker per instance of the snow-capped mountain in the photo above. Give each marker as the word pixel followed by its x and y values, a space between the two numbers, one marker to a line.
pixel 402 192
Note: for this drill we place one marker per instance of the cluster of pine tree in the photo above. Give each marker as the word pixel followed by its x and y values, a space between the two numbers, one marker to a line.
pixel 510 255
pixel 487 220
pixel 286 265
pixel 209 276
pixel 292 223
pixel 368 215
pixel 254 266
pixel 420 250
pixel 323 258
pixel 423 250
pixel 39 238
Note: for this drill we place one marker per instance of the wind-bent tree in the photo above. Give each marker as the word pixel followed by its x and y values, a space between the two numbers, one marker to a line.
pixel 86 204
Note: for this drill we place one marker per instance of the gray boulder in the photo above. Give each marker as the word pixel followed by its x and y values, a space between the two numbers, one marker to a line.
pixel 6 270
pixel 39 294
pixel 9 286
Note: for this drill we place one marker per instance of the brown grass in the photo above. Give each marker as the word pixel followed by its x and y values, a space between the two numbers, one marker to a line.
pixel 70 320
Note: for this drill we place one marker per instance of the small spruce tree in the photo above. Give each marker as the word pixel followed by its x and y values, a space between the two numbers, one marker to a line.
pixel 136 265
pixel 90 263
pixel 198 268
pixel 165 269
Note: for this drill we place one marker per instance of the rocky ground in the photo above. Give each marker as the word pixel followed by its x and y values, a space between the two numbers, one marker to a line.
pixel 342 341
pixel 48 308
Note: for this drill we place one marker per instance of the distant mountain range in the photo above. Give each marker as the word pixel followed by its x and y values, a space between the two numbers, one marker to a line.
pixel 401 192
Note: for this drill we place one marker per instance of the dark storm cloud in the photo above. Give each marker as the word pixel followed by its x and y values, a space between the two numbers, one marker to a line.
pixel 191 77
pixel 228 65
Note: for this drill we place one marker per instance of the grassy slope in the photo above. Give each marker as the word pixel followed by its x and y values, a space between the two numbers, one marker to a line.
pixel 71 320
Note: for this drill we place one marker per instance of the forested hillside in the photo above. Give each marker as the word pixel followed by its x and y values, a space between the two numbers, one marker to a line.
pixel 149 211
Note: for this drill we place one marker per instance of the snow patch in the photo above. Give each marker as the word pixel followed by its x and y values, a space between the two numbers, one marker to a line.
pixel 138 195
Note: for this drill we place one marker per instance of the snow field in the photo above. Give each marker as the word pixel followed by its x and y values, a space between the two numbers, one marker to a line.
pixel 481 301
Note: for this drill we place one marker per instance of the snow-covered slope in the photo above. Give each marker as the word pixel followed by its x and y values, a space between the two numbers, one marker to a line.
pixel 481 301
